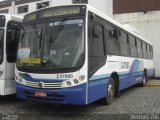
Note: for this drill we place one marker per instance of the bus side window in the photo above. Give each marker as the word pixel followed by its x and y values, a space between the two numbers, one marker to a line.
pixel 144 50
pixel 97 43
pixel 1 45
pixel 148 51
pixel 139 48
pixel 132 47
pixel 124 43
pixel 151 49
pixel 12 38
pixel 111 40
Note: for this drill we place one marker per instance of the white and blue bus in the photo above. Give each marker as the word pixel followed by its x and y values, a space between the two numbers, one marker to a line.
pixel 74 54
pixel 9 36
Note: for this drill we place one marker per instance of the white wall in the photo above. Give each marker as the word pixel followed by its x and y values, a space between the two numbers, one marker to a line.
pixel 60 2
pixel 148 26
pixel 105 6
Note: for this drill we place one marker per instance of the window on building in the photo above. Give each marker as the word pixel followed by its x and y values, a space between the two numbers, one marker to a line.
pixel 22 9
pixel 4 11
pixel 42 5
pixel 79 1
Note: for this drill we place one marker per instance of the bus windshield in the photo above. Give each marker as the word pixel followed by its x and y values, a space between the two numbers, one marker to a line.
pixel 52 45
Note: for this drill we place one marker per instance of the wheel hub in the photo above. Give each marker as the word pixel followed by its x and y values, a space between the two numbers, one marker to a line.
pixel 110 90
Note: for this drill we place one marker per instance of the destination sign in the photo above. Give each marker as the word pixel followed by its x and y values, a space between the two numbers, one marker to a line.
pixel 52 13
pixel 55 12
pixel 30 17
pixel 62 11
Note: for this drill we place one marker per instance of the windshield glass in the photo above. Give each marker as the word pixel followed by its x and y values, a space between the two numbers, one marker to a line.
pixel 52 45
pixel 1 45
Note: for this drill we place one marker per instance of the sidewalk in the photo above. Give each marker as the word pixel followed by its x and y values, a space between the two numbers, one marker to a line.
pixel 153 82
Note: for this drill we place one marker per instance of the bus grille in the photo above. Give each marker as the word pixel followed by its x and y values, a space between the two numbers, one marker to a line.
pixel 55 85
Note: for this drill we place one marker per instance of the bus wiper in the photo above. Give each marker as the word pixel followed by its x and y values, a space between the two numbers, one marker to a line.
pixel 37 34
pixel 22 34
pixel 40 38
pixel 58 31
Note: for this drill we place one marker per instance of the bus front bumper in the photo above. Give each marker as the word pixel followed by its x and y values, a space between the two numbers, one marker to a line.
pixel 73 95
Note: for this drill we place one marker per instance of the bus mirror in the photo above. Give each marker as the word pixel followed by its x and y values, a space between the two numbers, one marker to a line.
pixel 93 17
pixel 97 31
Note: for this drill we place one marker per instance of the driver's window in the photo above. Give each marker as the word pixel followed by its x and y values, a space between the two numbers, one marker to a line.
pixel 1 45
pixel 12 38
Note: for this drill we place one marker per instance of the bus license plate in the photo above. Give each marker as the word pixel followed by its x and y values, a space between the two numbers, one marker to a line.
pixel 40 94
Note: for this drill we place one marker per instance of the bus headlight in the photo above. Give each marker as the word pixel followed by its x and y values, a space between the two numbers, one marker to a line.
pixel 81 77
pixel 75 81
pixel 68 83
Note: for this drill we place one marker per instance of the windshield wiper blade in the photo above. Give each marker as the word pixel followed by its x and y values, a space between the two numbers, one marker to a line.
pixel 59 30
pixel 40 38
pixel 38 35
pixel 22 34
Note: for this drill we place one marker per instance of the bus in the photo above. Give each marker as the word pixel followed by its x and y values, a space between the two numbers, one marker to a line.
pixel 74 54
pixel 9 36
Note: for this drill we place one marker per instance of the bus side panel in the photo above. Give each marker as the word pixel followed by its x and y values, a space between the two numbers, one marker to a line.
pixel 123 81
pixel 97 88
pixel 136 72
pixel 149 65
pixel 10 77
pixel 133 76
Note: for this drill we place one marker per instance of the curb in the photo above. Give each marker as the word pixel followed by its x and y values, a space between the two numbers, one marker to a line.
pixel 154 84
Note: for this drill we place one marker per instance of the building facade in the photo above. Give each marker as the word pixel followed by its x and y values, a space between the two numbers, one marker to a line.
pixel 21 7
pixel 144 15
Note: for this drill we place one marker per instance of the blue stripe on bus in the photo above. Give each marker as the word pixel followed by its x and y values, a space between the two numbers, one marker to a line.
pixel 97 90
pixel 73 95
pixel 97 86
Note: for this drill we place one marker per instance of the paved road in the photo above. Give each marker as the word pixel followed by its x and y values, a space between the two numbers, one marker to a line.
pixel 133 101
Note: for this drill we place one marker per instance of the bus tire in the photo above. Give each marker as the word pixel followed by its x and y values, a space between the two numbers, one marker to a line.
pixel 110 92
pixel 144 81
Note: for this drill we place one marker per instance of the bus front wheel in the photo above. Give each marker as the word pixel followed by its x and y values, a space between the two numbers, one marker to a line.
pixel 110 92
